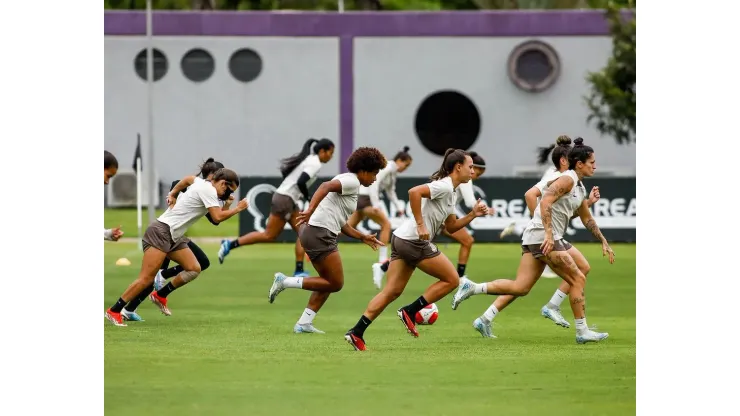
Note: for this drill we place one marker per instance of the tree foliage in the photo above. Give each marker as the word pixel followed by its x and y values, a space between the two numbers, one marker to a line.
pixel 363 4
pixel 613 100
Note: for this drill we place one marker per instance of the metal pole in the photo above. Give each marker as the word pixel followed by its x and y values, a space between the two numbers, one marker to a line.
pixel 149 154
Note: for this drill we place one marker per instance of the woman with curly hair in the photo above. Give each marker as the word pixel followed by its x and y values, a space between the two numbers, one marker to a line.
pixel 319 226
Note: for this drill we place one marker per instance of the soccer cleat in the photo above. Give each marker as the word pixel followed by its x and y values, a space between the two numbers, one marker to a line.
pixel 277 286
pixel 554 315
pixel 407 322
pixel 114 317
pixel 159 281
pixel 485 329
pixel 131 316
pixel 301 274
pixel 356 342
pixel 223 251
pixel 378 275
pixel 464 291
pixel 160 302
pixel 509 230
pixel 591 336
pixel 548 273
pixel 307 329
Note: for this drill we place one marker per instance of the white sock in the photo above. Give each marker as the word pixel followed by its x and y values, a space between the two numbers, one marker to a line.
pixel 557 298
pixel 581 325
pixel 293 282
pixel 489 314
pixel 382 254
pixel 480 288
pixel 307 317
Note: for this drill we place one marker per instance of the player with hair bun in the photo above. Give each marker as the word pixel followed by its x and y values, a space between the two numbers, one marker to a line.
pixel 165 237
pixel 543 243
pixel 163 289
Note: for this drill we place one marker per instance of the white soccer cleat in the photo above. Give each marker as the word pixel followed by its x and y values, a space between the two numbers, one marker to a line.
pixel 548 273
pixel 306 329
pixel 554 315
pixel 464 291
pixel 485 329
pixel 509 230
pixel 591 336
pixel 159 281
pixel 377 275
pixel 277 286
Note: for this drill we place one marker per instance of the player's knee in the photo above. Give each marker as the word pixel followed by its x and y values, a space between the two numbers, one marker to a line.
pixel 469 241
pixel 579 280
pixel 336 286
pixel 195 267
pixel 521 290
pixel 585 269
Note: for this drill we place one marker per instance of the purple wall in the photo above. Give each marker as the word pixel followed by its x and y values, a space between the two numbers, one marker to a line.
pixel 346 26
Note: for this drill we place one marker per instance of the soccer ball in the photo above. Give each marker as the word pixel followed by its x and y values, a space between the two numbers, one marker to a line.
pixel 428 315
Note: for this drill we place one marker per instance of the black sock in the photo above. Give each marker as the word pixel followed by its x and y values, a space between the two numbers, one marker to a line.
pixel 172 271
pixel 118 306
pixel 361 326
pixel 137 300
pixel 461 269
pixel 233 244
pixel 298 266
pixel 163 292
pixel 384 266
pixel 415 306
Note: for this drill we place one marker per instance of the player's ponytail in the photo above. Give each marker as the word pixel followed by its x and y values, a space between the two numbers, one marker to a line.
pixel 451 158
pixel 289 163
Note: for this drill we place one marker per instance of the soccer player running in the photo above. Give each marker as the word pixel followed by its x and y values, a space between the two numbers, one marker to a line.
pixel 299 173
pixel 165 237
pixel 411 246
pixel 110 169
pixel 164 289
pixel 543 243
pixel 466 194
pixel 369 206
pixel 320 225
pixel 558 153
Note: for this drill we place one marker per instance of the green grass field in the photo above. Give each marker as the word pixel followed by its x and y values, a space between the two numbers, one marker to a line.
pixel 226 351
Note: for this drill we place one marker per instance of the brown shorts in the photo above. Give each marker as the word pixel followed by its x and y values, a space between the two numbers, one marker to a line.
pixel 317 241
pixel 283 206
pixel 413 252
pixel 158 236
pixel 560 245
pixel 363 201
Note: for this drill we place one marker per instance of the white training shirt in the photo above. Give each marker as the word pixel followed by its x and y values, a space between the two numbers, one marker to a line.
pixel 434 210
pixel 190 207
pixel 562 211
pixel 465 193
pixel 311 165
pixel 373 191
pixel 334 210
pixel 551 173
